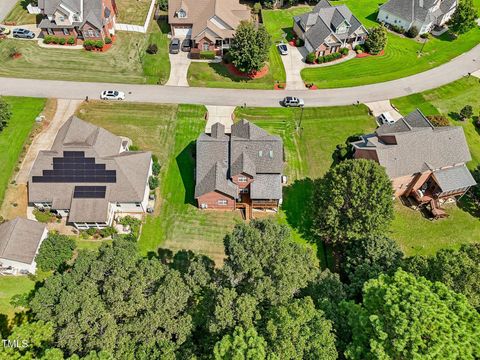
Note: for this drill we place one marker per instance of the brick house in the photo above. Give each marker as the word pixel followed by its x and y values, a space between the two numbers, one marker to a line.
pixel 239 170
pixel 327 29
pixel 424 162
pixel 82 19
pixel 210 24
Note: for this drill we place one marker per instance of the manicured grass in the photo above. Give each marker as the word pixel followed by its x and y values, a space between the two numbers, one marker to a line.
pixel 125 62
pixel 90 244
pixel 216 75
pixel 156 67
pixel 403 56
pixel 14 136
pixel 9 287
pixel 449 100
pixel 19 15
pixel 132 11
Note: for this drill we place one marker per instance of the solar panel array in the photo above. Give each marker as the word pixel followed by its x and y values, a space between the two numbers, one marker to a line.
pixel 74 167
pixel 89 192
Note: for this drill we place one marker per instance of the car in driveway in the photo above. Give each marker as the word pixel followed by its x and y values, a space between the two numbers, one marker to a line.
pixel 23 33
pixel 186 45
pixel 112 95
pixel 174 46
pixel 4 31
pixel 282 49
pixel 292 101
pixel 386 118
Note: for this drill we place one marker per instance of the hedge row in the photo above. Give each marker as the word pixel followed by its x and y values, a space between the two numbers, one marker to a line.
pixel 59 40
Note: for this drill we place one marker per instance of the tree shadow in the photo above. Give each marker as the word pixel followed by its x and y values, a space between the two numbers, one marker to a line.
pixel 373 16
pixel 186 164
pixel 455 116
pixel 162 23
pixel 468 204
pixel 4 328
pixel 290 35
pixel 447 36
pixel 475 121
pixel 221 70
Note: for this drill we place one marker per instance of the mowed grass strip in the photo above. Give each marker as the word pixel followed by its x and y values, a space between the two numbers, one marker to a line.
pixel 403 56
pixel 132 12
pixel 14 136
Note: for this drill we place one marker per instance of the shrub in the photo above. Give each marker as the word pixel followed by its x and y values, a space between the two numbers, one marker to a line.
pixel 133 148
pixel 71 40
pixel 156 168
pixel 227 59
pixel 43 216
pixel 99 44
pixel 299 42
pixel 310 58
pixel 91 231
pixel 438 120
pixel 55 250
pixel 55 40
pixel 48 39
pixel 88 44
pixel 108 40
pixel 257 7
pixel 153 182
pixel 108 231
pixel 62 41
pixel 377 40
pixel 359 48
pixel 425 36
pixel 163 5
pixel 412 32
pixel 397 29
pixel 466 112
pixel 344 51
pixel 152 49
pixel 207 55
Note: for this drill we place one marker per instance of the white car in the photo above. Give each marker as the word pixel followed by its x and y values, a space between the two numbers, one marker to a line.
pixel 283 49
pixel 291 101
pixel 112 95
pixel 386 118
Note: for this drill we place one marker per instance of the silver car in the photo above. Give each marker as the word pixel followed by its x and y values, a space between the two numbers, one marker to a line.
pixel 292 101
pixel 23 33
pixel 112 95
pixel 283 49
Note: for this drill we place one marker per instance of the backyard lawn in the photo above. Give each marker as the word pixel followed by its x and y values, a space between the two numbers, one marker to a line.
pixel 125 62
pixel 9 287
pixel 132 12
pixel 403 56
pixel 19 15
pixel 14 136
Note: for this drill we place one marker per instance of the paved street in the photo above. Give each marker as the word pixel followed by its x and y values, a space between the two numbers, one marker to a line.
pixel 5 7
pixel 455 69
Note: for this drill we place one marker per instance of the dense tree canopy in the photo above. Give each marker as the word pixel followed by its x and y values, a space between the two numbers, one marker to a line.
pixel 376 40
pixel 241 345
pixel 352 201
pixel 402 317
pixel 464 17
pixel 5 113
pixel 55 250
pixel 250 47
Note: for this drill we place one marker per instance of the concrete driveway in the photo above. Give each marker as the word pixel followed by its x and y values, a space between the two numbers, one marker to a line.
pixel 179 64
pixel 5 7
pixel 32 27
pixel 294 63
pixel 379 107
pixel 221 114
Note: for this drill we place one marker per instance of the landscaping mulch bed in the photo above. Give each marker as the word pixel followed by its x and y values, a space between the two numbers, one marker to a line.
pixel 365 54
pixel 279 86
pixel 256 75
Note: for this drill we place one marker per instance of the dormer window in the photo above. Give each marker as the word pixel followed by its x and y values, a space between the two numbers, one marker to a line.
pixel 181 14
pixel 62 18
pixel 76 18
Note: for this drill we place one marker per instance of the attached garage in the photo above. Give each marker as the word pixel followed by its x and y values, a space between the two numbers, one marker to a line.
pixel 182 31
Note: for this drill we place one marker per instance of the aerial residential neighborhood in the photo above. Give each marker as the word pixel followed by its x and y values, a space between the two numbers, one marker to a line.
pixel 225 179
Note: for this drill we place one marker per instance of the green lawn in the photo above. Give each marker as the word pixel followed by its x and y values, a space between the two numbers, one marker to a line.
pixel 19 15
pixel 132 11
pixel 125 62
pixel 14 136
pixel 403 56
pixel 9 287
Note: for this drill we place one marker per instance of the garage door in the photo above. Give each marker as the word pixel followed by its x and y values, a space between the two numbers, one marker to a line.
pixel 186 31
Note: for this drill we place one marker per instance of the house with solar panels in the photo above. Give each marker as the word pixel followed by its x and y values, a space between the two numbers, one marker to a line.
pixel 89 175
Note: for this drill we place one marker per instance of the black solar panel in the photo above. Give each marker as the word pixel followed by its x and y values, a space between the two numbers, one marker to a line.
pixel 89 192
pixel 74 167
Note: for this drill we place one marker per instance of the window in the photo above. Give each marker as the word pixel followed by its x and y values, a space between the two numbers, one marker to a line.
pixel 242 179
pixel 76 18
pixel 118 204
pixel 222 202
pixel 90 33
pixel 204 206
pixel 244 191
pixel 62 18
pixel 138 204
pixel 181 14
pixel 260 153
pixel 206 46
pixel 270 154
pixel 66 31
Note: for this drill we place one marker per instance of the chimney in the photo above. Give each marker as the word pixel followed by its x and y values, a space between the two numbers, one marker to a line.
pixel 218 130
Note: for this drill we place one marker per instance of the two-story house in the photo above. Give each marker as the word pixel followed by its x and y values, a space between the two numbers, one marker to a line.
pixel 327 29
pixel 210 24
pixel 239 170
pixel 424 162
pixel 88 175
pixel 423 14
pixel 80 19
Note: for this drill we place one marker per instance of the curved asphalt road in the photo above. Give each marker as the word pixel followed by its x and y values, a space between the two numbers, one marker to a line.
pixel 460 66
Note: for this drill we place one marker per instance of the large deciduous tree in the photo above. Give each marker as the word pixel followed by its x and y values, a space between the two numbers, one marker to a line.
pixel 55 250
pixel 250 47
pixel 376 40
pixel 464 17
pixel 264 262
pixel 241 345
pixel 352 201
pixel 402 317
pixel 5 113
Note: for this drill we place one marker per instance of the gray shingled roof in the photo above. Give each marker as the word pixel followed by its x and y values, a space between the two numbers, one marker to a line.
pixel 93 12
pixel 418 147
pixel 410 10
pixel 132 167
pixel 88 210
pixel 320 20
pixel 266 187
pixel 454 178
pixel 20 239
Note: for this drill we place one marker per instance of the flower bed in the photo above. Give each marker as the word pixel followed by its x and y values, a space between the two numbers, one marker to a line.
pixel 365 54
pixel 255 75
pixel 279 86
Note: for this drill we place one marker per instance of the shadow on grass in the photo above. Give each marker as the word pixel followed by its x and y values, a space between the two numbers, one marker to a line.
pixel 186 164
pixel 373 16
pixel 162 23
pixel 468 204
pixel 446 36
pixel 290 34
pixel 455 116
pixel 221 70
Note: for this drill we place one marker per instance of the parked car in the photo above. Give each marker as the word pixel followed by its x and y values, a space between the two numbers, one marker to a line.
pixel 291 101
pixel 186 45
pixel 23 33
pixel 283 49
pixel 386 118
pixel 4 30
pixel 112 95
pixel 175 46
